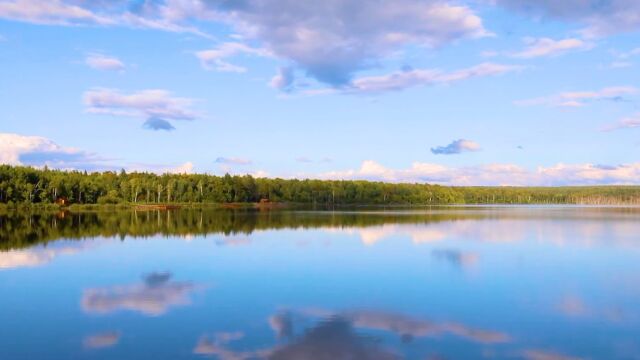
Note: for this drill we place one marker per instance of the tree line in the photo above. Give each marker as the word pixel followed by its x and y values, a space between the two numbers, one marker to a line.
pixel 27 185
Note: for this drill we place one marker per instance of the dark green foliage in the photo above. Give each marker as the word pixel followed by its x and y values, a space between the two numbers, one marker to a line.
pixel 26 185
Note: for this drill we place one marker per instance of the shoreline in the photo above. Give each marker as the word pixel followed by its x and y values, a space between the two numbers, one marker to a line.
pixel 287 206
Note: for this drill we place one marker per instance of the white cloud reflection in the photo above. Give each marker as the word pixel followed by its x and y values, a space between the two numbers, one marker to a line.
pixel 38 256
pixel 542 226
pixel 153 297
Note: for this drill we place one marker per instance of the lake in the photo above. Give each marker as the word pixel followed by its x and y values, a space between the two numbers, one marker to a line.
pixel 539 283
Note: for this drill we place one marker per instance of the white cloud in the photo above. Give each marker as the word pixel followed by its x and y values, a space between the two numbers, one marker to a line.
pixel 630 122
pixel 39 151
pixel 165 16
pixel 216 58
pixel 549 47
pixel 456 147
pixel 56 12
pixel 332 40
pixel 401 80
pixel 157 106
pixel 581 98
pixel 186 168
pixel 494 174
pixel 104 62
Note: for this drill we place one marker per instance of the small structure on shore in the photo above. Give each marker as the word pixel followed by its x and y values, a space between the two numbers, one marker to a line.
pixel 62 201
pixel 157 207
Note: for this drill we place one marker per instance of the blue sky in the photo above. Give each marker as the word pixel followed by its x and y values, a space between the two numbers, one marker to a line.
pixel 502 92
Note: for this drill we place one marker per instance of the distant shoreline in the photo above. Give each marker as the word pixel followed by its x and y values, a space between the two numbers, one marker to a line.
pixel 79 208
pixel 30 187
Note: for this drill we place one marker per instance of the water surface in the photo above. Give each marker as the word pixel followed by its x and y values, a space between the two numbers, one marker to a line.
pixel 540 283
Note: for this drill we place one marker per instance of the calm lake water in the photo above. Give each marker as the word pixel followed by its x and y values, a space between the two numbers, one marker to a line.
pixel 539 283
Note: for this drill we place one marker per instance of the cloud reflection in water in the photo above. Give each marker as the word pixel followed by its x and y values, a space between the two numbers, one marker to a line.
pixel 153 297
pixel 102 340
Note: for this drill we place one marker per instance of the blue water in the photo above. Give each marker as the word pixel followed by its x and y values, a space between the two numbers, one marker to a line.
pixel 484 283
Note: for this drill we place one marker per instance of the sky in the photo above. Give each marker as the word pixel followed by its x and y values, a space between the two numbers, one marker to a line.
pixel 468 92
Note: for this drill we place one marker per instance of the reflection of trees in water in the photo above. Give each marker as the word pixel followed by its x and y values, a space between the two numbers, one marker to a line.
pixel 24 229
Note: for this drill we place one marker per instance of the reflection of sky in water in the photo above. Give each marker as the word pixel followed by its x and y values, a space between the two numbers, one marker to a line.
pixel 539 288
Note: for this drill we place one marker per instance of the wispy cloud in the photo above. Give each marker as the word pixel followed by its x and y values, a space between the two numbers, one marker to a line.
pixel 157 106
pixel 104 62
pixel 408 78
pixel 304 159
pixel 540 47
pixel 630 122
pixel 630 53
pixel 620 64
pixel 53 12
pixel 623 59
pixel 456 147
pixel 216 58
pixel 233 161
pixel 159 16
pixel 581 98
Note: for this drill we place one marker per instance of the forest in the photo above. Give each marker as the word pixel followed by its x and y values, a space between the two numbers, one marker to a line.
pixel 21 185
